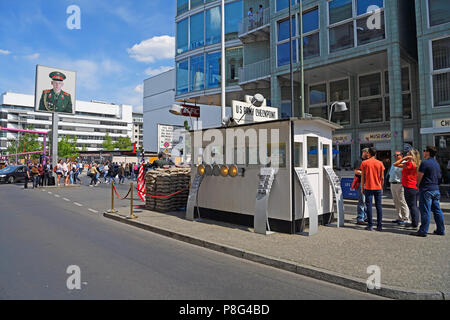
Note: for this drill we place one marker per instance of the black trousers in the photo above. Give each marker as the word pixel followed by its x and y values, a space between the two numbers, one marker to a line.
pixel 25 186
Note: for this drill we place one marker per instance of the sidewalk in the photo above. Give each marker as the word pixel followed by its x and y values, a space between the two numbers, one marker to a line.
pixel 411 267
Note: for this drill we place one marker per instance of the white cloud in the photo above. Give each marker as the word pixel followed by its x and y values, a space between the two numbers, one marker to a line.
pixel 33 56
pixel 5 52
pixel 109 66
pixel 153 72
pixel 153 49
pixel 139 88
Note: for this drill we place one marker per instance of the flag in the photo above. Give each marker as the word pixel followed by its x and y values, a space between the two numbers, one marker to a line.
pixel 141 180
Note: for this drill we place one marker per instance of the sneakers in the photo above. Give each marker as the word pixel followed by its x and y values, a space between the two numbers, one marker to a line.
pixel 403 223
pixel 396 221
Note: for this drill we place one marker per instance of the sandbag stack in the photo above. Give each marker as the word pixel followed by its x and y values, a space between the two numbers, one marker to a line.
pixel 163 182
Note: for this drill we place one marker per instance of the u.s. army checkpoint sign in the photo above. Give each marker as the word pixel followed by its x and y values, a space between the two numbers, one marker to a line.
pixel 244 112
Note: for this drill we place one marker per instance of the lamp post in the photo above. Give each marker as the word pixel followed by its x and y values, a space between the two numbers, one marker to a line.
pixel 338 106
pixel 223 84
pixel 176 110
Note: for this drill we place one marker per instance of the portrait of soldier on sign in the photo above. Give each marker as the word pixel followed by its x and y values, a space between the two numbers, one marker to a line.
pixel 56 100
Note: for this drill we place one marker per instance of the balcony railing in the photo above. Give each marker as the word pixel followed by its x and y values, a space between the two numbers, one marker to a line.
pixel 248 25
pixel 255 71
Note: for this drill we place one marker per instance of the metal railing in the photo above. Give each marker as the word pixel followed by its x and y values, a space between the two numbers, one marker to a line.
pixel 254 71
pixel 248 24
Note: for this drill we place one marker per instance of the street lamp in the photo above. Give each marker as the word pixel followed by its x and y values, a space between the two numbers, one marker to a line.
pixel 338 106
pixel 176 110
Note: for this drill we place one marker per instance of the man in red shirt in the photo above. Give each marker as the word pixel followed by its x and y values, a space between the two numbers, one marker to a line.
pixel 372 181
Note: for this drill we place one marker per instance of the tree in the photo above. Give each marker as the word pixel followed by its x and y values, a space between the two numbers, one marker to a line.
pixel 27 142
pixel 123 143
pixel 108 144
pixel 67 147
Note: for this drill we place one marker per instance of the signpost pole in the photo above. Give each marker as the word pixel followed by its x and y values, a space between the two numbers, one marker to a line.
pixel 55 120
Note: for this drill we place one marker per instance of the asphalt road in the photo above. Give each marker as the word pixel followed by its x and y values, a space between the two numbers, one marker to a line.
pixel 42 234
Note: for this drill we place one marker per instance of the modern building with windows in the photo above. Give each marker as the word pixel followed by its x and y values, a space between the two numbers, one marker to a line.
pixel 362 52
pixel 138 130
pixel 433 39
pixel 90 124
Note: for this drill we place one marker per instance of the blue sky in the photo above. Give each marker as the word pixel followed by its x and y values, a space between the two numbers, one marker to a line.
pixel 120 44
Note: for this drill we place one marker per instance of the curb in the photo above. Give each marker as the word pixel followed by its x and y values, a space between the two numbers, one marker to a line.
pixel 308 271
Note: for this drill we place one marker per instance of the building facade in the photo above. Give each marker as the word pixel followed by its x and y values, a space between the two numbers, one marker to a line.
pixel 138 130
pixel 361 52
pixel 90 124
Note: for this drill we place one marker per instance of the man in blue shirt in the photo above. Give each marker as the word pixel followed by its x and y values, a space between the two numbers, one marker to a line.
pixel 428 183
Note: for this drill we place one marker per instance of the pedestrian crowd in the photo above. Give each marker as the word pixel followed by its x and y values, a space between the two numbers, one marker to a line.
pixel 411 179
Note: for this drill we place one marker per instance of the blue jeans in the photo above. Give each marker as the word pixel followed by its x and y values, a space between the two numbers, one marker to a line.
pixel 429 201
pixel 361 209
pixel 377 195
pixel 411 199
pixel 71 177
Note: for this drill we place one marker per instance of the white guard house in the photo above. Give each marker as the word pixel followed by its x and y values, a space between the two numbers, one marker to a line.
pixel 292 196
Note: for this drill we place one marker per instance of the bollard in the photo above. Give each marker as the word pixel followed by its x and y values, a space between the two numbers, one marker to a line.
pixel 132 216
pixel 112 210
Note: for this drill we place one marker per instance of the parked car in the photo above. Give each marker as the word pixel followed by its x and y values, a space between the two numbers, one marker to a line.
pixel 12 174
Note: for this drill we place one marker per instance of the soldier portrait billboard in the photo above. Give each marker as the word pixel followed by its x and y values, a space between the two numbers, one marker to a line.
pixel 55 90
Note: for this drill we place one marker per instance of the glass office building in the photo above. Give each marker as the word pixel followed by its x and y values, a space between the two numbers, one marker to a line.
pixel 361 52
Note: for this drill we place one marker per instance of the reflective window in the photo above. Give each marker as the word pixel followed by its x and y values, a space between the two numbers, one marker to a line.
pixel 339 90
pixel 313 152
pixel 440 72
pixel 182 76
pixel 407 107
pixel 370 85
pixel 197 73
pixel 339 10
pixel 213 72
pixel 182 36
pixel 364 6
pixel 283 29
pixel 283 4
pixel 283 53
pixel 371 110
pixel 298 154
pixel 197 31
pixel 310 21
pixel 285 110
pixel 182 6
pixel 213 25
pixel 233 15
pixel 196 3
pixel 318 94
pixel 366 35
pixel 341 37
pixel 311 46
pixel 439 11
pixel 234 61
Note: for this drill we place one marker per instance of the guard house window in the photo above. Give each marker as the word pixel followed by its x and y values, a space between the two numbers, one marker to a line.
pixel 441 72
pixel 326 154
pixel 344 19
pixel 439 12
pixel 182 6
pixel 197 31
pixel 298 154
pixel 313 152
pixel 182 36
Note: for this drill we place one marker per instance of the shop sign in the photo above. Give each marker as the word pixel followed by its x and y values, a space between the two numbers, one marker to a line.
pixel 342 139
pixel 442 123
pixel 376 136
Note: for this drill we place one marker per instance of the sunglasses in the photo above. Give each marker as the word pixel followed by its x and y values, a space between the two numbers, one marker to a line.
pixel 426 151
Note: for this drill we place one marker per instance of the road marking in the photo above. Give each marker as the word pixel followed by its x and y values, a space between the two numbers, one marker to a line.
pixel 49 192
pixel 65 199
pixel 57 196
pixel 92 210
pixel 77 204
